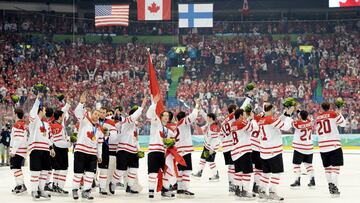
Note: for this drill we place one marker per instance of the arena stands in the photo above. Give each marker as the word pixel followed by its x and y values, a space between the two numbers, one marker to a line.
pixel 223 64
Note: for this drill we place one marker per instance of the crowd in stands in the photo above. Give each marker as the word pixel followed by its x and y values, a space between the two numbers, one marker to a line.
pixel 51 23
pixel 334 59
pixel 117 73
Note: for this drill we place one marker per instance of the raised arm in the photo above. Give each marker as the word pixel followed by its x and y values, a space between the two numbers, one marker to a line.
pixel 34 110
pixel 135 116
pixel 151 112
pixel 340 120
pixel 79 110
pixel 203 113
pixel 194 114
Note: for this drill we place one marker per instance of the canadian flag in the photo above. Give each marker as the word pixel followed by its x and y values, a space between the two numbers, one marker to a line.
pixel 343 3
pixel 154 9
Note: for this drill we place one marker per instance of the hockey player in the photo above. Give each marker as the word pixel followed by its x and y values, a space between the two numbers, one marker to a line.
pixel 159 130
pixel 18 148
pixel 127 159
pixel 255 156
pixel 227 143
pixel 48 119
pixel 241 130
pixel 185 147
pixel 327 123
pixel 40 148
pixel 271 150
pixel 211 144
pixel 113 142
pixel 61 140
pixel 303 148
pixel 88 149
pixel 111 137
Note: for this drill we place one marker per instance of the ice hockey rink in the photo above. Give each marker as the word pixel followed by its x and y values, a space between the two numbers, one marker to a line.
pixel 205 191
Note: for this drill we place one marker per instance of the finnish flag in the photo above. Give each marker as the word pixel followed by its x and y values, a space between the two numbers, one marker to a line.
pixel 195 15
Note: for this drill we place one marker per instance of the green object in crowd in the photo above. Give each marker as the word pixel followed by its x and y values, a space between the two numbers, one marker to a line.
pixel 289 102
pixel 340 102
pixel 60 96
pixel 248 108
pixel 15 98
pixel 250 86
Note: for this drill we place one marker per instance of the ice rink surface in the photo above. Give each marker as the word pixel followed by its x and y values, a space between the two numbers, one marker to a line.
pixel 205 191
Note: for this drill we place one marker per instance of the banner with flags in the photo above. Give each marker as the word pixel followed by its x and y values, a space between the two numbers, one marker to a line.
pixel 154 86
pixel 245 8
pixel 195 15
pixel 154 9
pixel 112 15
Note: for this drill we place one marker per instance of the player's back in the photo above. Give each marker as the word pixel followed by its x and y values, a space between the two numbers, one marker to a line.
pixel 302 141
pixel 327 129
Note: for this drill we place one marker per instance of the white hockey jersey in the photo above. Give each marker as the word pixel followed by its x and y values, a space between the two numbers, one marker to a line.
pixel 302 141
pixel 38 133
pixel 58 134
pixel 183 135
pixel 128 140
pixel 90 137
pixel 327 129
pixel 113 137
pixel 255 136
pixel 241 131
pixel 157 131
pixel 270 135
pixel 225 133
pixel 18 139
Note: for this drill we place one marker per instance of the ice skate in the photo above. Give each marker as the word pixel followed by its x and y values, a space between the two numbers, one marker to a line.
pixel 247 196
pixel 129 190
pixel 185 194
pixel 334 191
pixel 273 197
pixel 215 178
pixel 44 194
pixel 112 188
pixel 19 189
pixel 312 183
pixel 262 196
pixel 198 174
pixel 165 193
pixel 35 195
pixel 75 194
pixel 232 188
pixel 238 192
pixel 255 189
pixel 48 188
pixel 296 184
pixel 151 194
pixel 102 192
pixel 87 195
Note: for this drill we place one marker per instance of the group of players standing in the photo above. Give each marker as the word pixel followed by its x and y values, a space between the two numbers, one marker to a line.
pixel 107 143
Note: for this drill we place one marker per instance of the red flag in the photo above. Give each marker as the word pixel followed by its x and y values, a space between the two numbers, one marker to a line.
pixel 154 9
pixel 154 87
pixel 245 8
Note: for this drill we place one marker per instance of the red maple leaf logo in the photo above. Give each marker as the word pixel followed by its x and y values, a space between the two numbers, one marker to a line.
pixel 350 3
pixel 154 8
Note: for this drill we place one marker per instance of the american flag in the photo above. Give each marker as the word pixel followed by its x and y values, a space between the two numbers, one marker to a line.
pixel 112 15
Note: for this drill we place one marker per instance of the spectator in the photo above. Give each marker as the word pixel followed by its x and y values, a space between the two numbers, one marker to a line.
pixel 4 145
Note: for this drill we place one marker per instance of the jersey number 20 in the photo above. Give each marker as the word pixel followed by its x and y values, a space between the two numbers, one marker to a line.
pixel 324 127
